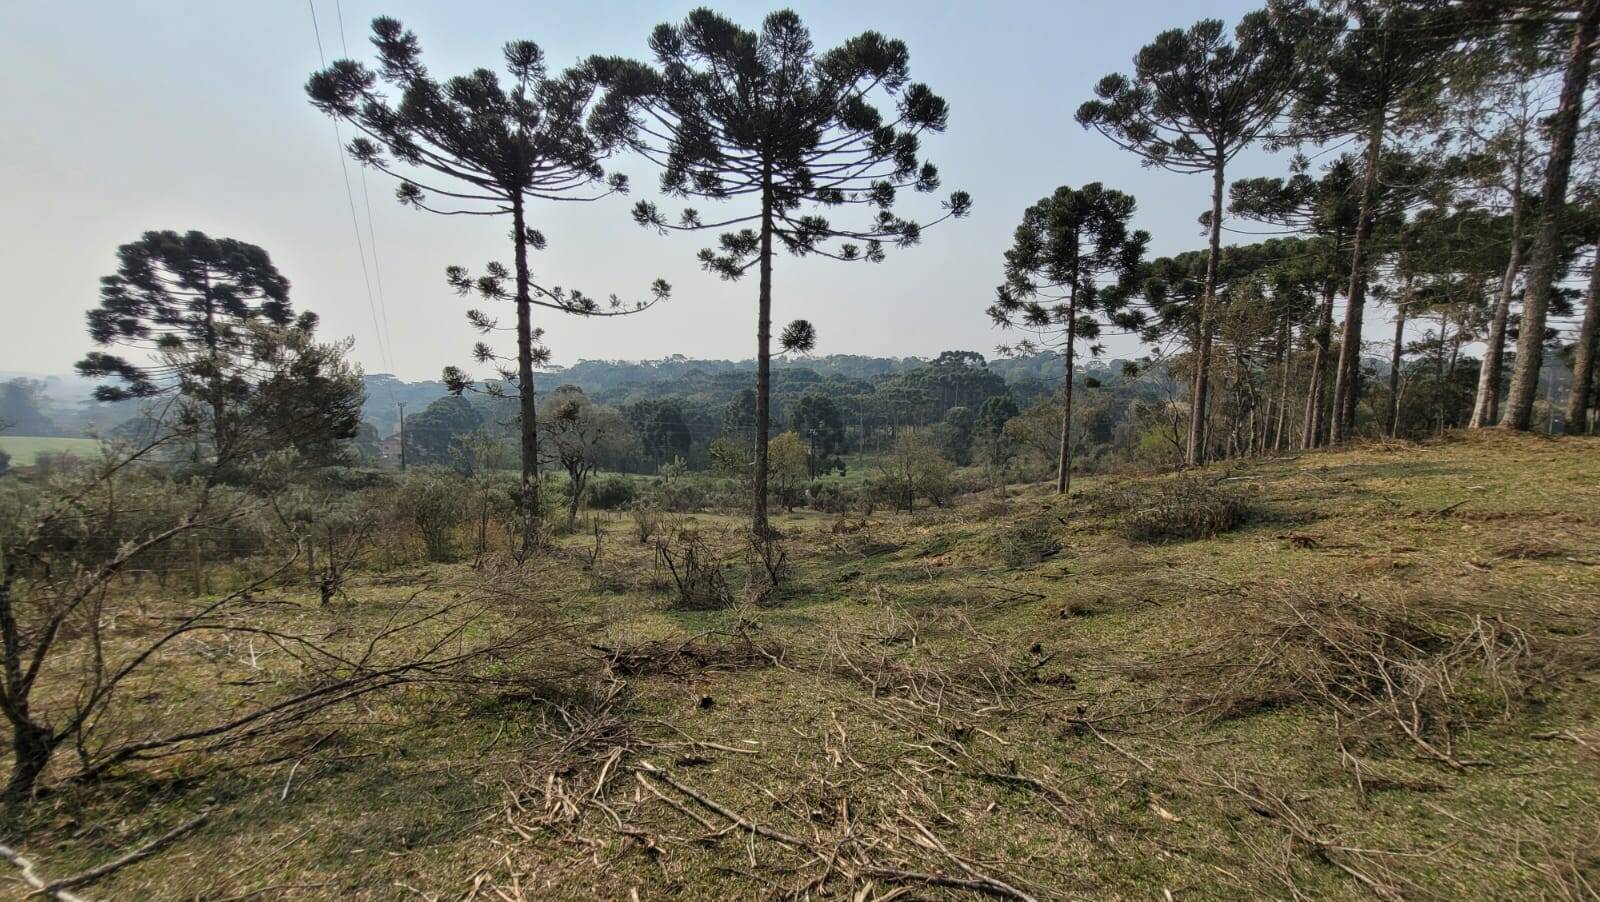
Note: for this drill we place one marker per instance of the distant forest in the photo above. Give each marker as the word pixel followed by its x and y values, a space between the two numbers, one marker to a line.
pixel 718 382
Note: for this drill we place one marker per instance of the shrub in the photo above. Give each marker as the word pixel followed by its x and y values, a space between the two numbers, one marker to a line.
pixel 696 573
pixel 433 504
pixel 646 521
pixel 832 496
pixel 914 469
pixel 879 490
pixel 683 496
pixel 350 479
pixel 52 463
pixel 1027 542
pixel 968 482
pixel 1184 510
pixel 610 492
pixel 123 508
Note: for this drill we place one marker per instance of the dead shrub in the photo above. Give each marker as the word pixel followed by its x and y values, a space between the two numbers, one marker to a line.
pixel 582 741
pixel 769 569
pixel 1027 542
pixel 858 546
pixel 1385 673
pixel 978 677
pixel 1183 510
pixel 696 573
pixel 847 525
pixel 687 657
pixel 989 509
pixel 646 522
pixel 1530 548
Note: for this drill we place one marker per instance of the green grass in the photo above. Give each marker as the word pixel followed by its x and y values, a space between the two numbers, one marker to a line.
pixel 932 665
pixel 25 449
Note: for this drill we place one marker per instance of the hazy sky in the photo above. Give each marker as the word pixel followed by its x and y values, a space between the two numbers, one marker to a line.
pixel 125 116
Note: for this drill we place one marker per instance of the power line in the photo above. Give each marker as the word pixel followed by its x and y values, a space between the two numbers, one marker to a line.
pixel 366 199
pixel 355 222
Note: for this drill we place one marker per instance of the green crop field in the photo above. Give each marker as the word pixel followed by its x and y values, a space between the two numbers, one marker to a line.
pixel 25 449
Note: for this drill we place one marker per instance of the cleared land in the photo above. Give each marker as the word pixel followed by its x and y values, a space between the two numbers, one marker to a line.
pixel 1378 679
pixel 25 449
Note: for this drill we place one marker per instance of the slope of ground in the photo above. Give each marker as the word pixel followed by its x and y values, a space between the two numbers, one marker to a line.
pixel 1377 678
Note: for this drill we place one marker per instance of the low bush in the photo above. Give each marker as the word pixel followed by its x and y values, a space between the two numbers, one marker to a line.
pixel 610 492
pixel 432 504
pixel 696 573
pixel 1184 510
pixel 968 482
pixel 646 521
pixel 350 479
pixel 832 496
pixel 687 495
pixel 1027 542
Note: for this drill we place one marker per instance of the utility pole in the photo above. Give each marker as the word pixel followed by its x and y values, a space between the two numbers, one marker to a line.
pixel 402 436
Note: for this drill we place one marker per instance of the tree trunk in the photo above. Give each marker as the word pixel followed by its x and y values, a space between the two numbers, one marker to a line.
pixel 218 406
pixel 30 743
pixel 1395 359
pixel 1064 465
pixel 1450 377
pixel 1486 402
pixel 1547 242
pixel 525 397
pixel 1202 365
pixel 1281 428
pixel 31 746
pixel 1347 381
pixel 1579 396
pixel 1317 387
pixel 758 518
pixel 1276 409
pixel 1438 369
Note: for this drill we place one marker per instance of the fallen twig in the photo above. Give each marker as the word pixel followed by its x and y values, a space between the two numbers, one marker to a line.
pixel 57 889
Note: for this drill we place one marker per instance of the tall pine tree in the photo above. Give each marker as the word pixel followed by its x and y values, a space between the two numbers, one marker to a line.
pixel 1381 72
pixel 1069 271
pixel 764 118
pixel 486 149
pixel 1544 262
pixel 188 301
pixel 1194 101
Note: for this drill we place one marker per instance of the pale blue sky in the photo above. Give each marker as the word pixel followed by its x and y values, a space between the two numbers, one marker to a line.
pixel 125 116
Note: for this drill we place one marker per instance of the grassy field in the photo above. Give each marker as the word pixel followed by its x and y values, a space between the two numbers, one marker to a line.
pixel 1378 679
pixel 25 449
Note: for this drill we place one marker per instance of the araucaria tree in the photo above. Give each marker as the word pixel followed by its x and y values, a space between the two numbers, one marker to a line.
pixel 1322 208
pixel 1582 394
pixel 486 149
pixel 1194 101
pixel 1547 239
pixel 1382 70
pixel 1068 247
pixel 1498 92
pixel 188 302
pixel 763 118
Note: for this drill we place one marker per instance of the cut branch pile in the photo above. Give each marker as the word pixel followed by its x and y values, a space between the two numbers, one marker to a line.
pixel 1383 672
